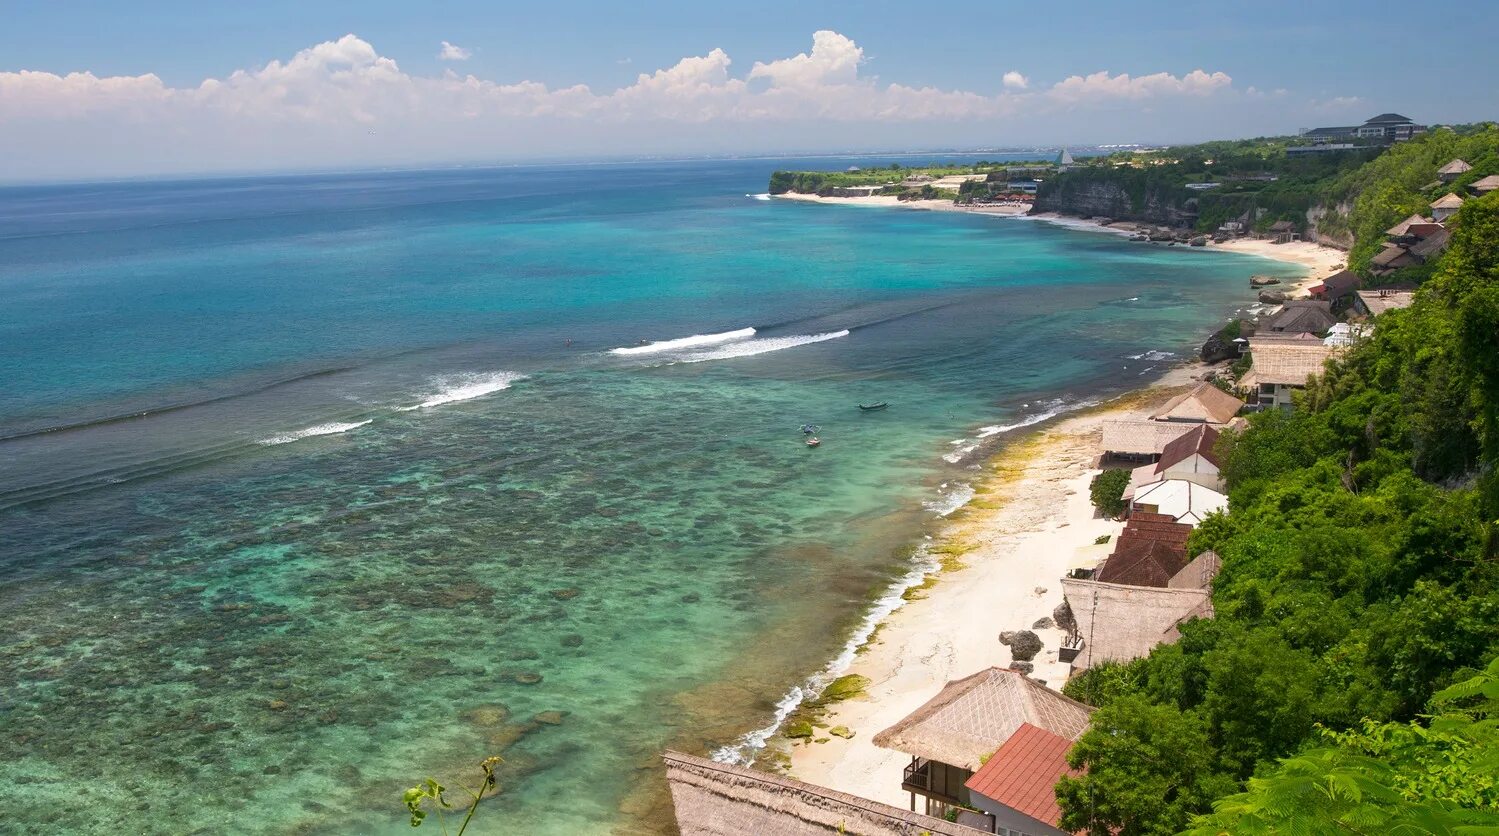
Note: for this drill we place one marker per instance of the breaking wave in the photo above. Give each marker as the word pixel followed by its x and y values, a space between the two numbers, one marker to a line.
pixel 1154 356
pixel 465 387
pixel 761 196
pixel 951 499
pixel 320 429
pixel 749 348
pixel 693 341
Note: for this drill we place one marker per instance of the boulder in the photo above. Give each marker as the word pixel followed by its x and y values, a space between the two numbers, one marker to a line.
pixel 1043 624
pixel 841 731
pixel 1262 281
pixel 1272 297
pixel 1024 646
pixel 1062 615
pixel 1217 349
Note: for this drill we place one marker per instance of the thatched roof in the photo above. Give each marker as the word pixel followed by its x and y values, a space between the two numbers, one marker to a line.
pixel 971 717
pixel 1199 573
pixel 1391 257
pixel 1455 167
pixel 1119 623
pixel 1302 316
pixel 716 799
pixel 1288 363
pixel 1140 436
pixel 1431 246
pixel 1204 403
pixel 1452 200
pixel 1486 184
pixel 1404 226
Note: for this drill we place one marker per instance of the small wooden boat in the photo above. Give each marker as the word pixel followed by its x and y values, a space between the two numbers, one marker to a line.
pixel 813 441
pixel 873 406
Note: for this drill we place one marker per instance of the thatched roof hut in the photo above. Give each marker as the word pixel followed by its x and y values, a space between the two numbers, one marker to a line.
pixel 971 717
pixel 718 799
pixel 1119 622
pixel 1205 403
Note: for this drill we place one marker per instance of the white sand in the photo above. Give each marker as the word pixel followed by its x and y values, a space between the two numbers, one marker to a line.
pixel 1025 528
pixel 1319 260
pixel 890 201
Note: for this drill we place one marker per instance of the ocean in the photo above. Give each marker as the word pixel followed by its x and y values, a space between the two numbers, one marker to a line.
pixel 314 486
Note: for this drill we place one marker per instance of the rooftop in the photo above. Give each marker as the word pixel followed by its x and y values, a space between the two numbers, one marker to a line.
pixel 1487 184
pixel 1119 622
pixel 1023 773
pixel 718 799
pixel 971 717
pixel 1199 573
pixel 1302 316
pixel 1198 442
pixel 1379 300
pixel 1451 200
pixel 1455 167
pixel 1404 226
pixel 1205 402
pixel 1140 436
pixel 1140 560
pixel 1289 363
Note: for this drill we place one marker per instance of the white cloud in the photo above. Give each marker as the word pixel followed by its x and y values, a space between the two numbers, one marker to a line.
pixel 454 52
pixel 326 102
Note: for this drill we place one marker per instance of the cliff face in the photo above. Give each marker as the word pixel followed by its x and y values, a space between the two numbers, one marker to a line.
pixel 1329 225
pixel 1074 196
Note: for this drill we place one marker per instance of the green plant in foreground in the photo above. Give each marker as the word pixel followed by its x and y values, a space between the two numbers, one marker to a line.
pixel 429 790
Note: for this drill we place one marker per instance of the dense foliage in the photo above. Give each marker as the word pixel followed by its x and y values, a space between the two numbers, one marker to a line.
pixel 1360 578
pixel 1106 491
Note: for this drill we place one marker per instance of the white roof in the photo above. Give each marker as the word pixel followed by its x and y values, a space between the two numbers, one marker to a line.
pixel 1186 502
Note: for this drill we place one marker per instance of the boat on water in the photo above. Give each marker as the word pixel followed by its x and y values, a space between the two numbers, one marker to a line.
pixel 872 407
pixel 813 441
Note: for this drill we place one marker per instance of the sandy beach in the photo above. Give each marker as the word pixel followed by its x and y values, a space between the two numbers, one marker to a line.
pixel 1021 533
pixel 890 201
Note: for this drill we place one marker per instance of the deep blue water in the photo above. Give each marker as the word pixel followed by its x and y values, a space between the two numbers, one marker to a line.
pixel 306 480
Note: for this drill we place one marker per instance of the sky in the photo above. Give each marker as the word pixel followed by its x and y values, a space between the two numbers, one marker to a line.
pixel 119 89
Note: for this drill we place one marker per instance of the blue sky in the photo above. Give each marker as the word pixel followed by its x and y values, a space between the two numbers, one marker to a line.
pixel 890 75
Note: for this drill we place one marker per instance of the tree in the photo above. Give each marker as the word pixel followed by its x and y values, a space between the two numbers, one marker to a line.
pixel 1106 490
pixel 1146 770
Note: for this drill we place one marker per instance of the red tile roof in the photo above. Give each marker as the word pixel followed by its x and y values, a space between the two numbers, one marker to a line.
pixel 1023 773
pixel 1139 560
pixel 1197 442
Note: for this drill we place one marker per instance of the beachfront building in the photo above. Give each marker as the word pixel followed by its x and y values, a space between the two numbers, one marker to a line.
pixel 1149 552
pixel 1301 316
pixel 1016 788
pixel 1335 288
pixel 1188 458
pixel 719 799
pixel 1277 368
pixel 1147 438
pixel 1120 622
pixel 1345 334
pixel 1283 232
pixel 1453 170
pixel 1446 206
pixel 1181 500
pixel 951 736
pixel 1378 300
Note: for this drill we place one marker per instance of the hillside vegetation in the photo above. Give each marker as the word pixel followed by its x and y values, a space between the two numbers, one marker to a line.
pixel 1339 688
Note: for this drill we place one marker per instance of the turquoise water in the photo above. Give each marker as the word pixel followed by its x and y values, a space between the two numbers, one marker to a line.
pixel 314 486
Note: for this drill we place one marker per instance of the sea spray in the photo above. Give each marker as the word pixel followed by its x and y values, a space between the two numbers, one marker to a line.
pixel 748 747
pixel 750 348
pixel 465 387
pixel 694 341
pixel 310 432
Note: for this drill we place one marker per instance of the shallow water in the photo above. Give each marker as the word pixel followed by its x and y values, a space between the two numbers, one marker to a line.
pixel 314 486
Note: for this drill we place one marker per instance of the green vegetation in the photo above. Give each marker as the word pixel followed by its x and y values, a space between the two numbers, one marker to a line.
pixel 1359 592
pixel 1106 490
pixel 892 177
pixel 417 797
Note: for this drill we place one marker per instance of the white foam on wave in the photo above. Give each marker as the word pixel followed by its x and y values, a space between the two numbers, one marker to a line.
pixel 951 498
pixel 749 746
pixel 465 387
pixel 320 429
pixel 1153 356
pixel 694 341
pixel 761 196
pixel 749 348
pixel 959 454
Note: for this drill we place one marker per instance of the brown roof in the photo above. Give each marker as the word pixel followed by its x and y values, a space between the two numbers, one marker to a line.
pixel 1455 167
pixel 1199 441
pixel 1431 246
pixel 719 799
pixel 1340 283
pixel 1199 573
pixel 1448 201
pixel 1158 527
pixel 1118 622
pixel 1206 402
pixel 1288 363
pixel 1140 436
pixel 1023 773
pixel 1303 316
pixel 1146 516
pixel 1392 256
pixel 1427 229
pixel 1379 300
pixel 1404 226
pixel 1282 226
pixel 971 717
pixel 1487 184
pixel 1139 560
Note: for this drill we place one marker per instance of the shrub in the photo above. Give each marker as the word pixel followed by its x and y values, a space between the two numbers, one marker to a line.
pixel 1106 489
